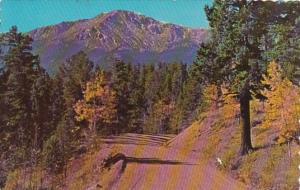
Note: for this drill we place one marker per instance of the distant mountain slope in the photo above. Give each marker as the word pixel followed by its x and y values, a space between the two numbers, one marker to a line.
pixel 118 34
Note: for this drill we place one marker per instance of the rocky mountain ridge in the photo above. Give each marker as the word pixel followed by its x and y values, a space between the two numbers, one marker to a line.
pixel 118 34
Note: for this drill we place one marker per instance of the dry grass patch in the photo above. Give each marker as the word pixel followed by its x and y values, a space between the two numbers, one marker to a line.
pixel 267 172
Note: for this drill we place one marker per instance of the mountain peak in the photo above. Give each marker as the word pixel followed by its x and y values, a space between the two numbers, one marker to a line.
pixel 113 13
pixel 122 12
pixel 124 34
pixel 125 13
pixel 125 18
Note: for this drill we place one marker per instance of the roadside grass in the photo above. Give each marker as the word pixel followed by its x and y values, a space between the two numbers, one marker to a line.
pixel 83 174
pixel 268 169
pixel 13 180
pixel 231 149
pixel 211 145
pixel 31 178
pixel 292 174
pixel 90 168
pixel 214 138
pixel 246 165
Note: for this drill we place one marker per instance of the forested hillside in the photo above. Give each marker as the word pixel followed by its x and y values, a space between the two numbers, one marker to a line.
pixel 234 112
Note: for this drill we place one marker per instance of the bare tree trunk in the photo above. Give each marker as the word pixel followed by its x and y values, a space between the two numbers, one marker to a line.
pixel 218 98
pixel 289 148
pixel 246 144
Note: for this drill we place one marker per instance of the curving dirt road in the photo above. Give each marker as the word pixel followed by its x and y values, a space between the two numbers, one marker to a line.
pixel 163 162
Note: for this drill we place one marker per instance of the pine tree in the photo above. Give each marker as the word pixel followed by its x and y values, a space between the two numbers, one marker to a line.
pixel 21 68
pixel 189 100
pixel 75 72
pixel 2 100
pixel 284 39
pixel 120 83
pixel 236 54
pixel 136 100
pixel 57 106
pixel 70 81
pixel 41 114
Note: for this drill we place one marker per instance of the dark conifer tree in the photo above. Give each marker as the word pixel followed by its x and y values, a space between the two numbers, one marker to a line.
pixel 136 100
pixel 21 68
pixel 41 109
pixel 238 30
pixel 57 106
pixel 75 72
pixel 67 89
pixel 121 73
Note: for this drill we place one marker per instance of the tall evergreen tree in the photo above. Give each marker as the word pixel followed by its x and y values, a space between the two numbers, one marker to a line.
pixel 238 29
pixel 2 98
pixel 188 99
pixel 41 110
pixel 21 68
pixel 57 106
pixel 70 82
pixel 282 41
pixel 136 100
pixel 75 73
pixel 121 87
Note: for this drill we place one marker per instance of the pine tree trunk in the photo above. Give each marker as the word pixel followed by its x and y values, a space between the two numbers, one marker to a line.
pixel 218 98
pixel 289 148
pixel 94 120
pixel 246 144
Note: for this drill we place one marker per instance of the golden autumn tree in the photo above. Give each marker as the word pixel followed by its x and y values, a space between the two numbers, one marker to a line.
pixel 222 99
pixel 98 103
pixel 283 103
pixel 210 94
pixel 231 106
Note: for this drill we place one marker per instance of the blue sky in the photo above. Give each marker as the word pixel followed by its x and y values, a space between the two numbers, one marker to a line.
pixel 30 14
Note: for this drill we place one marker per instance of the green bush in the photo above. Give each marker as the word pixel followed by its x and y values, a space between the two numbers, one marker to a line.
pixel 52 155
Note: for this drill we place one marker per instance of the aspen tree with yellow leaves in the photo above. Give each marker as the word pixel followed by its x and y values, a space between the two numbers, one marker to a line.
pixel 98 103
pixel 283 105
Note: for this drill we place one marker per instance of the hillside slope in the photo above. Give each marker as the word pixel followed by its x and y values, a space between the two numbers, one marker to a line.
pixel 179 163
pixel 118 34
pixel 186 161
pixel 152 162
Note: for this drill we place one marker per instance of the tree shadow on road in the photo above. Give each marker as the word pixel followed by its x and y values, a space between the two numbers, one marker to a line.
pixel 126 160
pixel 155 161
